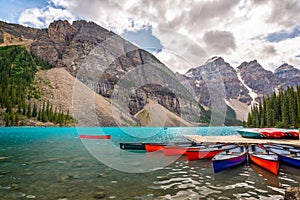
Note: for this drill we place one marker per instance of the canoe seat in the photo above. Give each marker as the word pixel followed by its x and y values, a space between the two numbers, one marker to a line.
pixel 265 152
pixel 228 152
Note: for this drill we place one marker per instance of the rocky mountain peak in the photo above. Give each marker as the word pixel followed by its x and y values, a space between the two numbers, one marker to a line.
pixel 287 75
pixel 66 45
pixel 216 59
pixel 284 68
pixel 61 31
pixel 213 74
pixel 257 78
pixel 249 66
pixel 14 34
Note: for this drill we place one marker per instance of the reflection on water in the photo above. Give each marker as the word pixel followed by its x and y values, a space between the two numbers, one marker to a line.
pixel 58 166
pixel 271 179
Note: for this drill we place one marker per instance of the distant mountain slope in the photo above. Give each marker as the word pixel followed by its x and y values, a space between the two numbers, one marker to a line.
pixel 241 87
pixel 103 60
pixel 214 72
pixel 20 95
pixel 18 31
pixel 261 81
pixel 57 86
pixel 154 114
pixel 287 75
pixel 130 77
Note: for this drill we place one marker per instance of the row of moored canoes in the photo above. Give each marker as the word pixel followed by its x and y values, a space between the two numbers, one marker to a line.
pixel 227 155
pixel 269 133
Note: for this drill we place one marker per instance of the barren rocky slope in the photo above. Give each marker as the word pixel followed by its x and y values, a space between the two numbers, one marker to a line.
pixel 103 61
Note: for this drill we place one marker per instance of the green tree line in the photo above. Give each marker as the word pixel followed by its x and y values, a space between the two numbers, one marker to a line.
pixel 19 99
pixel 280 110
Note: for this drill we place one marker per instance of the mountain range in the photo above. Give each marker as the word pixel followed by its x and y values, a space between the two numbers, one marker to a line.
pixel 121 84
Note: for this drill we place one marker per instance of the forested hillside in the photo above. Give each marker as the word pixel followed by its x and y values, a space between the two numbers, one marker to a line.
pixel 278 110
pixel 20 98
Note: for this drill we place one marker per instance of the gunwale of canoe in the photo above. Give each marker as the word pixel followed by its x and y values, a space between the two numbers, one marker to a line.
pixel 240 140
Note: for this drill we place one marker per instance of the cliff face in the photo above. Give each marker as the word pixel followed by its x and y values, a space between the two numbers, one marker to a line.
pixel 18 31
pixel 66 45
pixel 129 76
pixel 239 88
pixel 216 74
pixel 287 75
pixel 106 62
pixel 14 34
pixel 261 81
pixel 158 93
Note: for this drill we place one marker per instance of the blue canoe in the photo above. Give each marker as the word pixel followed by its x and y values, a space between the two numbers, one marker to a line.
pixel 229 158
pixel 288 156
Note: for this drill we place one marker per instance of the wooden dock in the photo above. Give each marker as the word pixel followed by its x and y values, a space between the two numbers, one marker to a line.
pixel 240 140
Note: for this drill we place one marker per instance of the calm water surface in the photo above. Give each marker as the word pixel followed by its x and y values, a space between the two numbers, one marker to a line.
pixel 52 163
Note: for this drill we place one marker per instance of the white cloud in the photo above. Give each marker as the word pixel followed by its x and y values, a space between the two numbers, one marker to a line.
pixel 178 63
pixel 43 17
pixel 244 19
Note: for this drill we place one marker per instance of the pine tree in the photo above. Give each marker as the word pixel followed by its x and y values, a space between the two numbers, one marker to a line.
pixel 29 113
pixel 250 119
pixel 6 119
pixel 284 110
pixel 298 105
pixel 34 110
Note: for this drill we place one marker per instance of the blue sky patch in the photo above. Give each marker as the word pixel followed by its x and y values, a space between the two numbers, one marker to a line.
pixel 283 35
pixel 10 10
pixel 144 38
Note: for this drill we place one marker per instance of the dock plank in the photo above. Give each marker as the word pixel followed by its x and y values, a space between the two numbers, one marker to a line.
pixel 239 140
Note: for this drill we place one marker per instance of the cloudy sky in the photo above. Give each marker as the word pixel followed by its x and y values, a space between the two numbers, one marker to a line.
pixel 183 33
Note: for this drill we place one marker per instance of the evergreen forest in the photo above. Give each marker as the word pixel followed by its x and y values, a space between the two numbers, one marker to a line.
pixel 20 99
pixel 280 110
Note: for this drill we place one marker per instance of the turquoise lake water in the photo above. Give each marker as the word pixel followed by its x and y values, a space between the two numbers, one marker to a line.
pixel 53 163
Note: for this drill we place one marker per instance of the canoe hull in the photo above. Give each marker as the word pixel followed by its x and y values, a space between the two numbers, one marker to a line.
pixel 294 134
pixel 251 134
pixel 132 146
pixel 196 155
pixel 174 150
pixel 229 158
pixel 94 137
pixel 289 160
pixel 220 165
pixel 273 133
pixel 270 165
pixel 154 147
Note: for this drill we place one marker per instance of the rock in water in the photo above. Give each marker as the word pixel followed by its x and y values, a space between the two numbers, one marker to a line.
pixel 100 187
pixel 30 196
pixel 19 195
pixel 292 193
pixel 99 195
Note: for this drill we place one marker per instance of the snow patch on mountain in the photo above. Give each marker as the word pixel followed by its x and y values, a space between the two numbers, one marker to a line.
pixel 252 94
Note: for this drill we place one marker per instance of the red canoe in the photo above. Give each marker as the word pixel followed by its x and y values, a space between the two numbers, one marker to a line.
pixel 293 133
pixel 263 158
pixel 176 150
pixel 207 153
pixel 202 154
pixel 273 133
pixel 179 150
pixel 154 147
pixel 94 137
